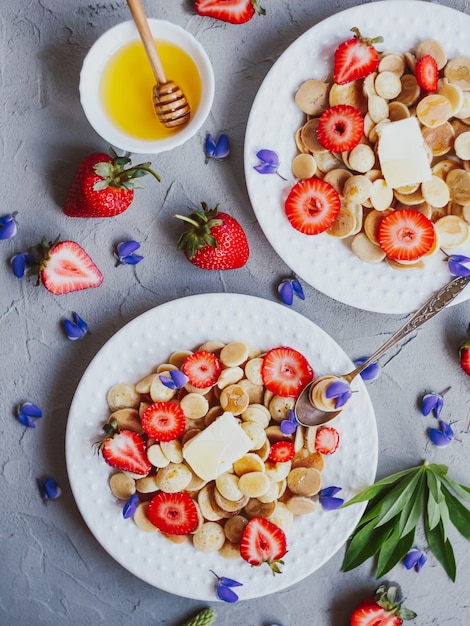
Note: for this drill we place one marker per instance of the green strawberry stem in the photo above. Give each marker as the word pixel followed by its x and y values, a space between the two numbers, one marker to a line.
pixel 200 235
pixel 368 41
pixel 115 173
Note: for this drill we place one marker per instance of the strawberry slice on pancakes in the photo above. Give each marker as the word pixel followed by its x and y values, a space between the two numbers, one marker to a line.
pixel 263 542
pixel 312 206
pixel 285 371
pixel 340 128
pixel 406 235
pixel 173 513
pixel 427 73
pixel 164 421
pixel 327 440
pixel 355 58
pixel 282 451
pixel 202 369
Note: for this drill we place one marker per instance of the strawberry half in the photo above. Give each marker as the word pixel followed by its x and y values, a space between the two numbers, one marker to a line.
pixel 427 73
pixel 202 369
pixel 65 267
pixel 326 440
pixel 355 58
pixel 340 128
pixel 464 354
pixel 263 542
pixel 312 206
pixel 406 234
pixel 215 241
pixel 384 609
pixel 285 371
pixel 281 451
pixel 173 513
pixel 164 421
pixel 103 185
pixel 232 11
pixel 125 450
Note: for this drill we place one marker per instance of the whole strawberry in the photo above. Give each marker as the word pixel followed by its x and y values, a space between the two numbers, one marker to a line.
pixel 215 241
pixel 385 607
pixel 103 185
pixel 464 353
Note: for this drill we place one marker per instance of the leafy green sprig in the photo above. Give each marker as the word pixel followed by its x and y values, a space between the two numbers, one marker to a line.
pixel 395 506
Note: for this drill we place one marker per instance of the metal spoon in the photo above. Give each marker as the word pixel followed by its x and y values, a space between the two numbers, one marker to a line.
pixel 171 105
pixel 308 415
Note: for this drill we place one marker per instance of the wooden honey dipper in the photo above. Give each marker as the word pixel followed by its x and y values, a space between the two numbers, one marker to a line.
pixel 171 105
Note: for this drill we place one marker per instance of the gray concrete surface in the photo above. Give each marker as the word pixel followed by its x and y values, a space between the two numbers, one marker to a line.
pixel 52 569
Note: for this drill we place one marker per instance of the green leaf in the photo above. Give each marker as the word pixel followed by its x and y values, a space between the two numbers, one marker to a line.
pixel 412 512
pixel 393 550
pixel 461 490
pixel 393 504
pixel 371 492
pixel 433 510
pixel 365 542
pixel 438 469
pixel 458 514
pixel 441 548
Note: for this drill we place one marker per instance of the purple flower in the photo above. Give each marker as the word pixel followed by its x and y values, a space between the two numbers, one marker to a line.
pixel 442 435
pixel 415 559
pixel 27 412
pixel 340 390
pixel 75 329
pixel 288 288
pixel 289 425
pixel 177 379
pixel 433 402
pixel 458 265
pixel 217 149
pixel 130 506
pixel 328 500
pixel 21 263
pixel 125 254
pixel 8 226
pixel 269 162
pixel 49 489
pixel 371 372
pixel 224 589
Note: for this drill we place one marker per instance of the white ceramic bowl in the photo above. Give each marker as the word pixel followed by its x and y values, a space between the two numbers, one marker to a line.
pixel 97 58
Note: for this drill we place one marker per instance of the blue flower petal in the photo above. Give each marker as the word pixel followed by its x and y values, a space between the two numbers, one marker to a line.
pixel 331 504
pixel 26 421
pixel 18 264
pixel 286 291
pixel 8 228
pixel 222 147
pixel 342 399
pixel 287 427
pixel 412 558
pixel 167 381
pixel 421 561
pixel 428 403
pixel 30 409
pixel 329 491
pixel 438 438
pixel 336 389
pixel 269 157
pixel 438 406
pixel 446 429
pixel 299 292
pixel 6 219
pixel 126 248
pixel 80 322
pixel 130 506
pixel 371 372
pixel 225 593
pixel 457 264
pixel 210 145
pixel 229 582
pixel 265 168
pixel 179 378
pixel 49 489
pixel 131 259
pixel 72 330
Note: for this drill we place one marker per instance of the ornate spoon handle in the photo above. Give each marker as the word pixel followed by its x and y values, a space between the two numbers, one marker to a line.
pixel 430 308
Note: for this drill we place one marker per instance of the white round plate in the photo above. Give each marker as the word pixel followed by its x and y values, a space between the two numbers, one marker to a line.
pixel 133 352
pixel 323 261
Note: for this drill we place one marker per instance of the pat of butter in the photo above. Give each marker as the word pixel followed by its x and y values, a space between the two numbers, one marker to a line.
pixel 213 451
pixel 402 153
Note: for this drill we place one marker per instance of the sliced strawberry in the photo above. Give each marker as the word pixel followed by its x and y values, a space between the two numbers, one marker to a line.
pixel 406 234
pixel 281 451
pixel 202 369
pixel 173 513
pixel 326 440
pixel 232 11
pixel 164 421
pixel 427 73
pixel 355 58
pixel 285 371
pixel 385 608
pixel 126 451
pixel 312 206
pixel 263 542
pixel 340 128
pixel 66 267
pixel 374 615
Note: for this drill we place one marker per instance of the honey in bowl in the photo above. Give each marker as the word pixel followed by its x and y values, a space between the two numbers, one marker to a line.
pixel 127 83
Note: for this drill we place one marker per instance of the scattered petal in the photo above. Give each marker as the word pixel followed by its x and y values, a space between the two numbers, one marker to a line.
pixel 289 425
pixel 130 506
pixel 269 162
pixel 217 149
pixel 224 589
pixel 289 287
pixel 126 253
pixel 49 489
pixel 21 262
pixel 27 412
pixel 8 226
pixel 433 402
pixel 75 329
pixel 327 499
pixel 176 379
pixel 299 292
pixel 441 436
pixel 371 372
pixel 415 559
pixel 459 265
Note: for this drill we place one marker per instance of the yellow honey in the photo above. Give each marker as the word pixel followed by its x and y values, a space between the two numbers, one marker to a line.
pixel 127 83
